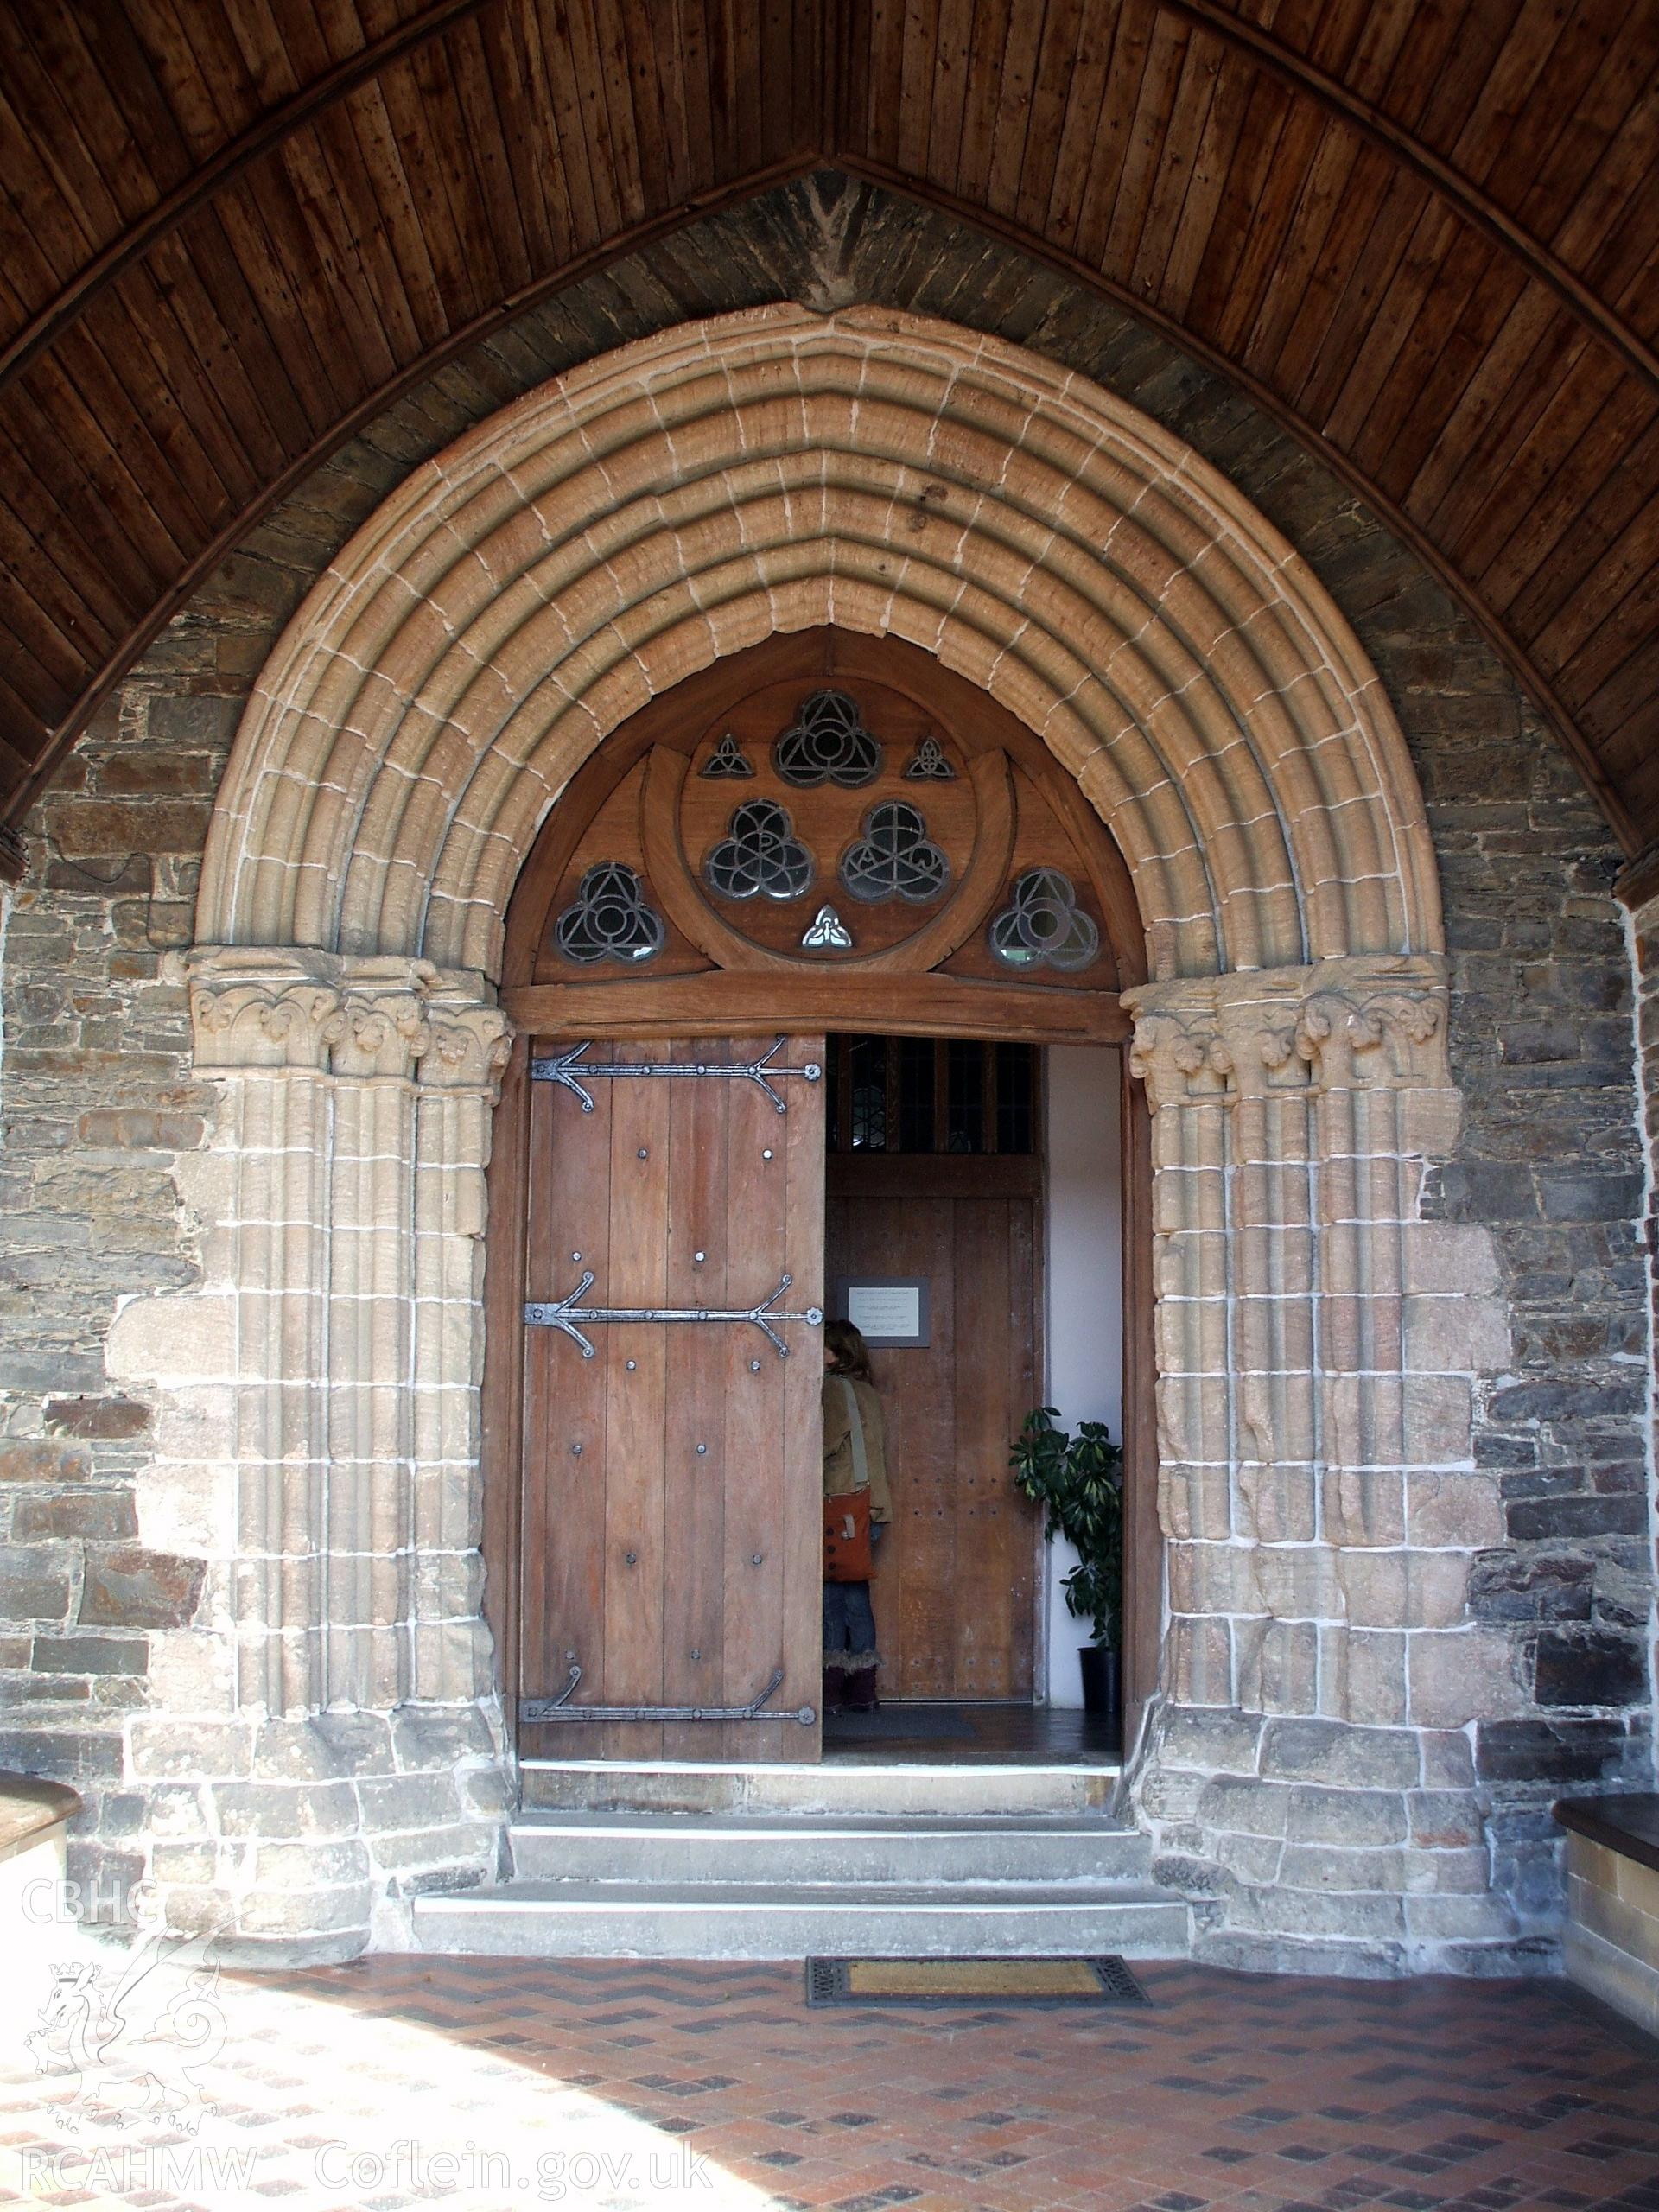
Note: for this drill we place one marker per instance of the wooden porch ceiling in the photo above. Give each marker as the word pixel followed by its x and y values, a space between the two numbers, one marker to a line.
pixel 1422 233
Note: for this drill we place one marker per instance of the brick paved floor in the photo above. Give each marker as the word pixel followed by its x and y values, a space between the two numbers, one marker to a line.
pixel 625 2085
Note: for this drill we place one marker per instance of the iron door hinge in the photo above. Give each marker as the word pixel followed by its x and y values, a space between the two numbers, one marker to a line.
pixel 565 1069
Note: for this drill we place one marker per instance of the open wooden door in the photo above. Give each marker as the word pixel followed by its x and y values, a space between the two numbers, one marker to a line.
pixel 826 831
pixel 673 1366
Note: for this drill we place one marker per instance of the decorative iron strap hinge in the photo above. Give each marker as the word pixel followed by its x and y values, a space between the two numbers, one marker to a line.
pixel 566 1312
pixel 566 1067
pixel 537 1711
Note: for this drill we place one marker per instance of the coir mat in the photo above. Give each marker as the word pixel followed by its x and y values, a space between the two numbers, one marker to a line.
pixel 971 1981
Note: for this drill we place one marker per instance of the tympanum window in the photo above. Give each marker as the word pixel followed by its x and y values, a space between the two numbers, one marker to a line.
pixel 894 858
pixel 608 919
pixel 828 744
pixel 759 856
pixel 843 827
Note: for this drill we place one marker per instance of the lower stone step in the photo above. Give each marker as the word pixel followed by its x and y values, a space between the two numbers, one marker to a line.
pixel 682 1786
pixel 825 1848
pixel 580 1920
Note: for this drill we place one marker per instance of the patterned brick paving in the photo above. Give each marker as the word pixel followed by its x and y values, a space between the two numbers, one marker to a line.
pixel 626 2085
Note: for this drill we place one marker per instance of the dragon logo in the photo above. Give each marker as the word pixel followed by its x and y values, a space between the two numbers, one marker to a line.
pixel 127 2040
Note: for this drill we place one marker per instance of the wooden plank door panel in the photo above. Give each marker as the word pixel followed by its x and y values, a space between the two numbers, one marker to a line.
pixel 914 1587
pixel 699 1385
pixel 993 1581
pixel 672 1482
pixel 921 1572
pixel 563 1578
pixel 752 1553
pixel 634 1360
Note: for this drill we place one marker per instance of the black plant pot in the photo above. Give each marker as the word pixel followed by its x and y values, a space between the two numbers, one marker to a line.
pixel 1100 1681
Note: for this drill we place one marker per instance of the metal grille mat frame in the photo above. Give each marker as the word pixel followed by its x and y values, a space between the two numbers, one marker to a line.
pixel 979 1981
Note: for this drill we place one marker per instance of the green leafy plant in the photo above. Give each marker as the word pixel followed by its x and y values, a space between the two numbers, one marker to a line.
pixel 1079 1482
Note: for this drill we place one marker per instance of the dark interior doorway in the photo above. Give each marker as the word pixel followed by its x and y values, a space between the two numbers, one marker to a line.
pixel 910 1733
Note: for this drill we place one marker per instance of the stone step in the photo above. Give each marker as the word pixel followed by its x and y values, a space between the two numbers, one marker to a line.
pixel 849 1790
pixel 735 1920
pixel 831 1849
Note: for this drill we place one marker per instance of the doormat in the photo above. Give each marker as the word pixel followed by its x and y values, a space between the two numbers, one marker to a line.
pixel 915 1724
pixel 972 1982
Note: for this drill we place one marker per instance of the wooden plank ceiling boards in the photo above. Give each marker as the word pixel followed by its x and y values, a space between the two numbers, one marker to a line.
pixel 1422 234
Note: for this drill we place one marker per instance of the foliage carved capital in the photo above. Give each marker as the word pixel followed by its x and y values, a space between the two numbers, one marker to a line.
pixel 1357 1023
pixel 469 1049
pixel 394 1018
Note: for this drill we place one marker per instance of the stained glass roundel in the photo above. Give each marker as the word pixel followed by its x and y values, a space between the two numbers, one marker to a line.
pixel 929 765
pixel 727 761
pixel 759 856
pixel 1045 927
pixel 608 919
pixel 828 743
pixel 895 858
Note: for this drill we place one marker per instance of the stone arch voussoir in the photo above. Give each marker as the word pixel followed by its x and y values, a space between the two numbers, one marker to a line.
pixel 612 532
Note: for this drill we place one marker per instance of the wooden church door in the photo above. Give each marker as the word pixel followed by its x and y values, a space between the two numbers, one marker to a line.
pixel 673 1363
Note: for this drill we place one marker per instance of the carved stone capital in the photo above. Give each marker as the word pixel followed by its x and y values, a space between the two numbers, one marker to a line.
pixel 1258 1018
pixel 469 1049
pixel 256 1007
pixel 378 1036
pixel 1372 1019
pixel 263 1026
pixel 1384 1023
pixel 1174 1054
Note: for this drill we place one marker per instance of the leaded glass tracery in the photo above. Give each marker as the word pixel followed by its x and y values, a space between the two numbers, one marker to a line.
pixel 759 856
pixel 827 932
pixel 828 743
pixel 1043 926
pixel 895 858
pixel 727 762
pixel 929 765
pixel 609 918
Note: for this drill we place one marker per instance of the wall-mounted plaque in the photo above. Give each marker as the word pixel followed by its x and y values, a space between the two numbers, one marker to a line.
pixel 891 1313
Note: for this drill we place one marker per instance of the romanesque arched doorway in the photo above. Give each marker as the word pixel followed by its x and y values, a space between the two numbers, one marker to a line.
pixel 511 606
pixel 824 834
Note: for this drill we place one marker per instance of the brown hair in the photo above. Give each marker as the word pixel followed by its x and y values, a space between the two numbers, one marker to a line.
pixel 848 1353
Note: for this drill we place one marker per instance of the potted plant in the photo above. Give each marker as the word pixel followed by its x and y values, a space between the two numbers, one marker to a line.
pixel 1079 1482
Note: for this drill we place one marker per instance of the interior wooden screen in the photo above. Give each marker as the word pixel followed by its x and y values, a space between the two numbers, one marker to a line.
pixel 672 1519
pixel 955 1582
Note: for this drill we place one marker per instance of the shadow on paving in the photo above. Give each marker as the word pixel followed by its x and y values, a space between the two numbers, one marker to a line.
pixel 481 2082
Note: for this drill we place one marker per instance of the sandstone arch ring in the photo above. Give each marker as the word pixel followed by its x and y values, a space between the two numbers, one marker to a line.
pixel 615 531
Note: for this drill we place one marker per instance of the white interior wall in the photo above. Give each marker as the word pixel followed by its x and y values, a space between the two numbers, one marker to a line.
pixel 1085 1290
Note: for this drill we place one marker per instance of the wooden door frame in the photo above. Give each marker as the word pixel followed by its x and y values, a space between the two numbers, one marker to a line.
pixel 774 1001
pixel 1141 1631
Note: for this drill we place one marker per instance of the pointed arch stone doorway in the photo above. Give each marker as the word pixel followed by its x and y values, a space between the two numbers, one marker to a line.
pixel 825 833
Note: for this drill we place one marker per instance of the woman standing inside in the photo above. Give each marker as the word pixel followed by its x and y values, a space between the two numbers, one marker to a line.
pixel 857 1509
